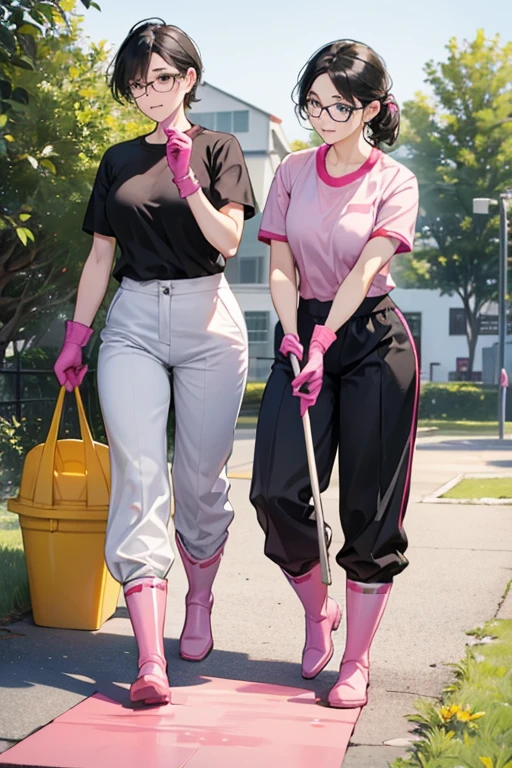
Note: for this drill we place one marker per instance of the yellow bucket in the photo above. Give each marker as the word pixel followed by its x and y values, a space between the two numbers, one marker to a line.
pixel 63 509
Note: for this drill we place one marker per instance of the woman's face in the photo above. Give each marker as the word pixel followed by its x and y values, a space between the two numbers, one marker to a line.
pixel 343 118
pixel 164 90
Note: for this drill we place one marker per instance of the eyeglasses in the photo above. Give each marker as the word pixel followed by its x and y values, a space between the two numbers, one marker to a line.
pixel 162 84
pixel 340 113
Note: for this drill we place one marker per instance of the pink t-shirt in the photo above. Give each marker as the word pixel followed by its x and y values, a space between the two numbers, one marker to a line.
pixel 327 221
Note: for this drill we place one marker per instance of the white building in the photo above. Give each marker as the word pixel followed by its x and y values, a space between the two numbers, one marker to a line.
pixel 438 325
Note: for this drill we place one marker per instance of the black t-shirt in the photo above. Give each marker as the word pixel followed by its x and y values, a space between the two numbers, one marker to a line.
pixel 135 200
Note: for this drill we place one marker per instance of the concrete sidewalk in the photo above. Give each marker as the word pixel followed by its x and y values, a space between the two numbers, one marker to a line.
pixel 460 562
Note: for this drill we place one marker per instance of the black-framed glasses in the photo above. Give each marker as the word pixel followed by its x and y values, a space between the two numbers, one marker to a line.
pixel 340 113
pixel 162 84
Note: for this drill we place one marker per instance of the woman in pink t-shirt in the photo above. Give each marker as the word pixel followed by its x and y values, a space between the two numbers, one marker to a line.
pixel 334 218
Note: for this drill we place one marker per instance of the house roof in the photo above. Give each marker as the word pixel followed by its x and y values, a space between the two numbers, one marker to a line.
pixel 273 118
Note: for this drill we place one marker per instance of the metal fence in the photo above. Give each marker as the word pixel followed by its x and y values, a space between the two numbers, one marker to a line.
pixel 31 393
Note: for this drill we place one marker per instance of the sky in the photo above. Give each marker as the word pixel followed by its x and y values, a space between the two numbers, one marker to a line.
pixel 255 51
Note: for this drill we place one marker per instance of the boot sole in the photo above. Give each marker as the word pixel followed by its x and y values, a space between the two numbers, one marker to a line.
pixel 196 659
pixel 335 627
pixel 152 692
pixel 350 705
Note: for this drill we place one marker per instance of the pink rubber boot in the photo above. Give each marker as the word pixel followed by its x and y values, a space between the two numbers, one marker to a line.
pixel 196 640
pixel 323 616
pixel 365 607
pixel 146 600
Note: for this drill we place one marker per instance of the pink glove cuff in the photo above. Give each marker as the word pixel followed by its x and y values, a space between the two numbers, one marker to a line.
pixel 187 185
pixel 322 338
pixel 77 333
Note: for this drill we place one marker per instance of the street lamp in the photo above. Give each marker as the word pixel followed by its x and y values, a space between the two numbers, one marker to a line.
pixel 481 206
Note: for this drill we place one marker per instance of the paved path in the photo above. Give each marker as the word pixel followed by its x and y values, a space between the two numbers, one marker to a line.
pixel 460 562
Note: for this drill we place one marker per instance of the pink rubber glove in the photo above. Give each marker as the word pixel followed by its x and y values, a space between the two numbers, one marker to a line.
pixel 291 343
pixel 179 150
pixel 312 374
pixel 68 367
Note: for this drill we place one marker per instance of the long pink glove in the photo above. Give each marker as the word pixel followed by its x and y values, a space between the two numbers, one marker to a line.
pixel 179 150
pixel 291 343
pixel 312 374
pixel 68 367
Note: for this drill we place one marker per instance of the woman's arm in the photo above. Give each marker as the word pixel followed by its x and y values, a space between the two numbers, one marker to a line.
pixel 283 285
pixel 222 228
pixel 374 257
pixel 94 279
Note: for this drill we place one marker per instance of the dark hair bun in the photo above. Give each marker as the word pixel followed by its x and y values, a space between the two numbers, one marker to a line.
pixel 385 126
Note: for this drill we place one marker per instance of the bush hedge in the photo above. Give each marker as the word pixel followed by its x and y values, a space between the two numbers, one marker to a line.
pixel 459 401
pixel 453 401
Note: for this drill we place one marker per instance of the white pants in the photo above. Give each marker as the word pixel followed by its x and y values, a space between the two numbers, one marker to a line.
pixel 196 328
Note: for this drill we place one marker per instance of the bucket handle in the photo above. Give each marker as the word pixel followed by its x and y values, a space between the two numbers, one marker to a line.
pixel 96 482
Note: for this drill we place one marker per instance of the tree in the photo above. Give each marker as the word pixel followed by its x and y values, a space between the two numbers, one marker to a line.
pixel 314 141
pixel 46 178
pixel 25 22
pixel 459 144
pixel 24 26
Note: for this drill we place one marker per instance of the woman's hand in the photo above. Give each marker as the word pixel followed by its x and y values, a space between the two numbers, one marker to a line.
pixel 179 150
pixel 312 375
pixel 291 344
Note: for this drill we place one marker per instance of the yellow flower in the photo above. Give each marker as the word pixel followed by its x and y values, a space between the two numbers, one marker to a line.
pixel 465 716
pixel 487 761
pixel 448 712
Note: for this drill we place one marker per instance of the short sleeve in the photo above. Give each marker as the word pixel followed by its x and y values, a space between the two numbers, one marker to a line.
pixel 232 183
pixel 273 221
pixel 95 219
pixel 397 214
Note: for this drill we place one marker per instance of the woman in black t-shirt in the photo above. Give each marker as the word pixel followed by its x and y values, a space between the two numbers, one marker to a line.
pixel 175 202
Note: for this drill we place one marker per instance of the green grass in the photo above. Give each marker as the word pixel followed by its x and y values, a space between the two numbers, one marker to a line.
pixel 471 726
pixel 456 428
pixel 14 594
pixel 481 488
pixel 482 428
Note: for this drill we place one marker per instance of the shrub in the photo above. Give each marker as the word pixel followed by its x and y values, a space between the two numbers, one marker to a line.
pixel 453 401
pixel 458 401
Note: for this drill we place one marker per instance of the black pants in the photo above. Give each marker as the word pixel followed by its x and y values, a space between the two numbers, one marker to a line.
pixel 368 409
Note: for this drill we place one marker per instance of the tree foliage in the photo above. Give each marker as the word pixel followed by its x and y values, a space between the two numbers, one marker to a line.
pixel 53 146
pixel 459 144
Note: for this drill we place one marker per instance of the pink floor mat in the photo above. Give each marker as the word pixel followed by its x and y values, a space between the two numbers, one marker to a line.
pixel 216 724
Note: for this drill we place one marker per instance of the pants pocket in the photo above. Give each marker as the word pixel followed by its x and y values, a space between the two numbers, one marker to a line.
pixel 228 301
pixel 115 299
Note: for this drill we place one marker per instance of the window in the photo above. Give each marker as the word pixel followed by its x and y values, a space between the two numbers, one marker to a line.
pixel 224 122
pixel 227 122
pixel 206 119
pixel 457 322
pixel 413 320
pixel 241 121
pixel 257 327
pixel 251 269
pixel 488 324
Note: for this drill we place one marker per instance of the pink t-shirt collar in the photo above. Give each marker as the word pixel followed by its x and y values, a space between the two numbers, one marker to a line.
pixel 341 181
